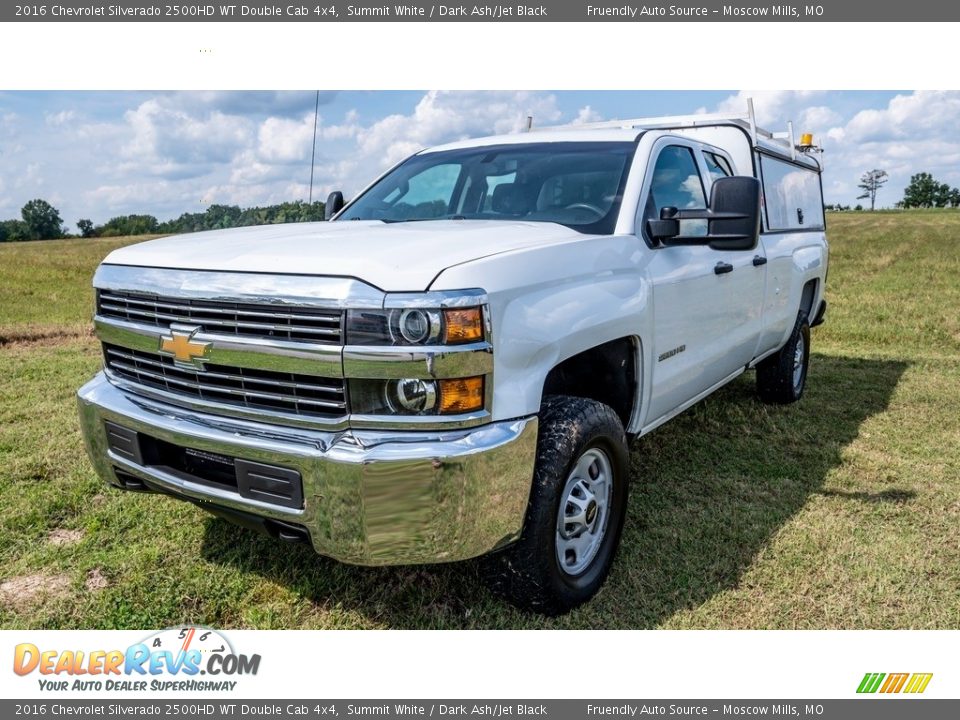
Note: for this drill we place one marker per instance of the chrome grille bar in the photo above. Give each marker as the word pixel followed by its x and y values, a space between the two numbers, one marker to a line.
pixel 248 319
pixel 257 389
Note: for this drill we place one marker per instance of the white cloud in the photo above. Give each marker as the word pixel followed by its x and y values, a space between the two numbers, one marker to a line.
pixel 770 106
pixel 447 116
pixel 914 132
pixel 160 133
pixel 927 112
pixel 116 196
pixel 818 117
pixel 586 114
pixel 31 176
pixel 283 140
pixel 60 118
pixel 249 102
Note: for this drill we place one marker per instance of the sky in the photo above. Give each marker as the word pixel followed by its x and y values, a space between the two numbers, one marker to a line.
pixel 96 155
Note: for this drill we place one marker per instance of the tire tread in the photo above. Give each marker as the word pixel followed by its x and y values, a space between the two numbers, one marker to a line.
pixel 523 573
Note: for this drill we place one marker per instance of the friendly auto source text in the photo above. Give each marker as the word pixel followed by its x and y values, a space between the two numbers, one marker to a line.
pixel 632 11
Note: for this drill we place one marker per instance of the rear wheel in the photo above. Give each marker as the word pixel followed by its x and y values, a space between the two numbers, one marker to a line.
pixel 576 511
pixel 782 377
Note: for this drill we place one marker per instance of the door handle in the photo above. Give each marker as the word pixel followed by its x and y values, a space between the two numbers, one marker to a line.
pixel 721 268
pixel 759 260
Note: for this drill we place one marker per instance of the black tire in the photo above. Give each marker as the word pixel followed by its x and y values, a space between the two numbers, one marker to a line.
pixel 777 381
pixel 529 572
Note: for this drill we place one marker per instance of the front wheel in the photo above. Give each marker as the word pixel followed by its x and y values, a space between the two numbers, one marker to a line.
pixel 577 506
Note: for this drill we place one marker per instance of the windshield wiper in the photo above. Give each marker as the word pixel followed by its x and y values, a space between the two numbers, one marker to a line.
pixel 425 219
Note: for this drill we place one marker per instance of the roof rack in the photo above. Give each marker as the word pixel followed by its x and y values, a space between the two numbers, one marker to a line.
pixel 781 142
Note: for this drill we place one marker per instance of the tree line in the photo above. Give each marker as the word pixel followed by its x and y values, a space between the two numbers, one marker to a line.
pixel 39 220
pixel 923 192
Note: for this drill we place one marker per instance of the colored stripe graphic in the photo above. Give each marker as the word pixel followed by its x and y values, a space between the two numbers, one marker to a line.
pixel 870 682
pixel 894 683
pixel 918 682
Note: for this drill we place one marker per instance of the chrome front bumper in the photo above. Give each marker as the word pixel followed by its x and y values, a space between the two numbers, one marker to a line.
pixel 371 497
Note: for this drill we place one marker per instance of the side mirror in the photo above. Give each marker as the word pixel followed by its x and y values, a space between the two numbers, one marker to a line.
pixel 333 205
pixel 668 226
pixel 735 210
pixel 733 219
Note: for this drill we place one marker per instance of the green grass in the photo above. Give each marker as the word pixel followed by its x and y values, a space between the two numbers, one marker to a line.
pixel 46 286
pixel 842 511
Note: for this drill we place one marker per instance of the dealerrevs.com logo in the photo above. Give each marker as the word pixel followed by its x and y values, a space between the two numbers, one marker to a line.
pixel 178 659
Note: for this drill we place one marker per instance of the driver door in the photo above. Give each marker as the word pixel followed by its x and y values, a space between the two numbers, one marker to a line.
pixel 706 302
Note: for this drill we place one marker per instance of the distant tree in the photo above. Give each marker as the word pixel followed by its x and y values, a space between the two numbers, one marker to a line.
pixel 13 230
pixel 42 220
pixel 128 225
pixel 925 192
pixel 86 228
pixel 216 217
pixel 955 197
pixel 859 208
pixel 871 182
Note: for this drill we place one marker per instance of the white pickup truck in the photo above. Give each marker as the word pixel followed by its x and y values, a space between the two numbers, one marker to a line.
pixel 453 366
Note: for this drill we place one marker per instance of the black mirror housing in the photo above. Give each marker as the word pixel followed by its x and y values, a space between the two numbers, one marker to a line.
pixel 734 222
pixel 733 218
pixel 333 205
pixel 668 226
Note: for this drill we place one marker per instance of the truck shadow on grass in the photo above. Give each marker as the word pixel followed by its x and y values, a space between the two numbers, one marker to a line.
pixel 709 490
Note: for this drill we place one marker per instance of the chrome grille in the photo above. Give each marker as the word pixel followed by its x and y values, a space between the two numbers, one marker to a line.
pixel 299 324
pixel 243 387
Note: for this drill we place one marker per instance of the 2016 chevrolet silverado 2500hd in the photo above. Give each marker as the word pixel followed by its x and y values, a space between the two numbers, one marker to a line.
pixel 452 367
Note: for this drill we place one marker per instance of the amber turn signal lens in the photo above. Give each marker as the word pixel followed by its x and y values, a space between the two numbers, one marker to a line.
pixel 461 395
pixel 462 326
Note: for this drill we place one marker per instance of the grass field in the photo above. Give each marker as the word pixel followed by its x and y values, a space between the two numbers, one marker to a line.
pixel 842 511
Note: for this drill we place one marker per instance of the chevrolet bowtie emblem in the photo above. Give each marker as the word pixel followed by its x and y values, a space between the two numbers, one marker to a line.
pixel 184 350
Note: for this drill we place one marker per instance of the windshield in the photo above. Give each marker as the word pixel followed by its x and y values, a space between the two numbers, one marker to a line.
pixel 577 184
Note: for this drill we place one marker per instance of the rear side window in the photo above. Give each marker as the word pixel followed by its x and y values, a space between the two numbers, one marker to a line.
pixel 717 165
pixel 791 195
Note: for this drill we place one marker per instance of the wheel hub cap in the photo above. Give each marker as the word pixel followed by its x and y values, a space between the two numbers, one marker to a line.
pixel 591 512
pixel 798 354
pixel 584 511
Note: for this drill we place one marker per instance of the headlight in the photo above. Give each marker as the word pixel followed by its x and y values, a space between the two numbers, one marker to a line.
pixel 414 396
pixel 410 396
pixel 416 326
pixel 413 326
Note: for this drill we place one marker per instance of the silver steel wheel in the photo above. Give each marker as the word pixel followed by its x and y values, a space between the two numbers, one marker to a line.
pixel 584 511
pixel 798 354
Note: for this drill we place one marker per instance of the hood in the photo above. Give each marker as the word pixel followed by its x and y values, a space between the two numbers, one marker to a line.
pixel 394 257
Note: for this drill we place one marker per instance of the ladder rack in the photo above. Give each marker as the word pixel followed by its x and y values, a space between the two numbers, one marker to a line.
pixel 780 142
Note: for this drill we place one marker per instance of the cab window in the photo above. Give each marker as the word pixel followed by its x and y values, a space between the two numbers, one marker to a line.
pixel 717 165
pixel 676 183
